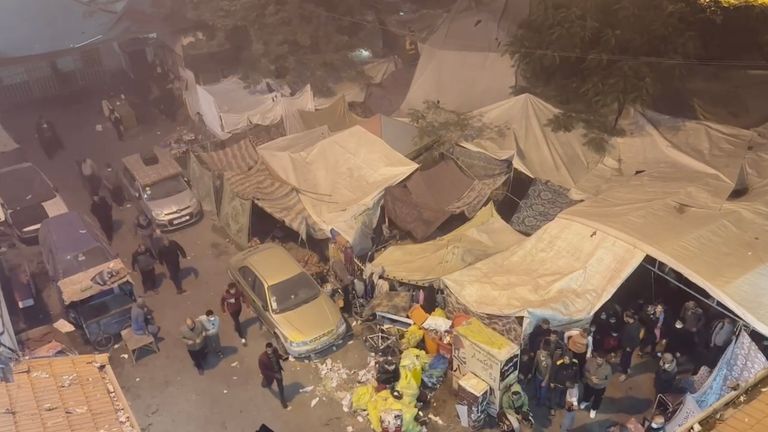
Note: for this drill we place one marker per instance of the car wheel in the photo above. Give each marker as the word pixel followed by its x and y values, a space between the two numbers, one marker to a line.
pixel 103 342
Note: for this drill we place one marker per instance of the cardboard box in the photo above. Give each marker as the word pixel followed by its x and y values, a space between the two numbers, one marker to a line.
pixel 479 350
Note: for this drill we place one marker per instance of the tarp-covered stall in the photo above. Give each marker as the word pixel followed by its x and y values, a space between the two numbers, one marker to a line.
pixel 400 135
pixel 340 180
pixel 462 62
pixel 428 197
pixel 422 263
pixel 564 272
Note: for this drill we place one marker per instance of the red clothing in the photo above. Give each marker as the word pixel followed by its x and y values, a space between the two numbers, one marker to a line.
pixel 270 368
pixel 232 302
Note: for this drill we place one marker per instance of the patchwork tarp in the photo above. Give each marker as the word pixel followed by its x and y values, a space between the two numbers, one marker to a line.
pixel 541 205
pixel 740 363
pixel 481 237
pixel 201 183
pixel 564 272
pixel 400 135
pixel 235 215
pixel 420 204
pixel 341 179
pixel 335 116
pixel 462 64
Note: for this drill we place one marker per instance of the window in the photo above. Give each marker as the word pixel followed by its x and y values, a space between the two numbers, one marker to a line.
pixel 253 284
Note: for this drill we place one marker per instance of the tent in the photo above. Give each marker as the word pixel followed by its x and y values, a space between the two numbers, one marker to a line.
pixel 335 116
pixel 340 180
pixel 422 263
pixel 563 272
pixel 400 135
pixel 376 71
pixel 462 62
pixel 428 197
pixel 237 177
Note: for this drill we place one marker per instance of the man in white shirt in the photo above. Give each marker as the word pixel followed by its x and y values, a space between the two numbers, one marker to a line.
pixel 571 405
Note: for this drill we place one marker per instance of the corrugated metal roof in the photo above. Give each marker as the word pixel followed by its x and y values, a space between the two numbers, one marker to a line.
pixel 65 394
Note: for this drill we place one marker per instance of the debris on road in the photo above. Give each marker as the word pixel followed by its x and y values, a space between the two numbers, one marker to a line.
pixel 314 402
pixel 123 356
pixel 307 389
pixel 235 364
pixel 436 419
pixel 63 326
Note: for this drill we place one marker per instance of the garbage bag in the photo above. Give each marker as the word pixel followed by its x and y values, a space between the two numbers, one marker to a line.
pixel 383 401
pixel 439 313
pixel 412 337
pixel 412 362
pixel 435 371
pixel 361 396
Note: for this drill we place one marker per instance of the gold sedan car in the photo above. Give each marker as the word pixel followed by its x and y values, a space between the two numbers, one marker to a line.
pixel 288 301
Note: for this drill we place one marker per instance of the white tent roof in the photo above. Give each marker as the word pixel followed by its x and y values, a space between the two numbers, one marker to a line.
pixel 481 237
pixel 564 272
pixel 341 179
pixel 462 64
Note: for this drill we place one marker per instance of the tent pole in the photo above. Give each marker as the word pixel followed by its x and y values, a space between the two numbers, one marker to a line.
pixel 656 271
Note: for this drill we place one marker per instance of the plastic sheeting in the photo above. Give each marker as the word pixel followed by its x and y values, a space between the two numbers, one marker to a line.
pixel 420 204
pixel 201 183
pixel 564 272
pixel 481 237
pixel 341 179
pixel 335 116
pixel 462 64
pixel 400 135
pixel 235 216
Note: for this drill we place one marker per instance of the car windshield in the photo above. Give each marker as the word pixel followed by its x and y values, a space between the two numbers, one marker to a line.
pixel 165 189
pixel 293 292
pixel 23 186
pixel 82 261
pixel 103 304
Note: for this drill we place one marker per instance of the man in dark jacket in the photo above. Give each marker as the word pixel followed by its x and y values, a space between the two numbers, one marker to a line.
pixel 631 335
pixel 564 370
pixel 143 261
pixel 48 137
pixel 169 253
pixel 102 211
pixel 271 368
pixel 538 334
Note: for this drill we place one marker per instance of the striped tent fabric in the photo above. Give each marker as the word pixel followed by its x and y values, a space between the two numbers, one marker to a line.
pixel 238 157
pixel 276 197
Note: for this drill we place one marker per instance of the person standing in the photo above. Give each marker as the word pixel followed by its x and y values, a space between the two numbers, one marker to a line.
pixel 140 321
pixel 101 209
pixel 232 303
pixel 117 123
pixel 143 261
pixel 47 137
pixel 597 373
pixel 579 343
pixel 90 173
pixel 692 318
pixel 540 332
pixel 145 230
pixel 722 335
pixel 271 368
pixel 541 372
pixel 169 253
pixel 193 335
pixel 211 325
pixel 115 189
pixel 571 405
pixel 565 370
pixel 631 335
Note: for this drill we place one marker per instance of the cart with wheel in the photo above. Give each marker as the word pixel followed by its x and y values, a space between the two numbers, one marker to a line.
pixel 385 319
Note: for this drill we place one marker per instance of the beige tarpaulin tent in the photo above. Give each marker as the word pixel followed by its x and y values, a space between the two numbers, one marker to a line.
pixel 355 91
pixel 564 272
pixel 481 237
pixel 462 63
pixel 335 116
pixel 400 135
pixel 722 249
pixel 341 179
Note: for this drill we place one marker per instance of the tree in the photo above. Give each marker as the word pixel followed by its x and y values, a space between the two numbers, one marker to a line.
pixel 441 125
pixel 299 41
pixel 594 58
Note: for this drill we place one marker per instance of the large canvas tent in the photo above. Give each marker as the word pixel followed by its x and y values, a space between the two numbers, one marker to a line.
pixel 462 64
pixel 238 177
pixel 340 180
pixel 400 135
pixel 564 272
pixel 335 116
pixel 422 263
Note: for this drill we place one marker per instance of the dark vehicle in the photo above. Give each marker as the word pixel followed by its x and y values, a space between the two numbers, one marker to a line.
pixel 27 198
pixel 94 283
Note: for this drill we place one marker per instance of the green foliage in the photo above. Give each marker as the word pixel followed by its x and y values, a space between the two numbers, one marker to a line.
pixel 438 124
pixel 299 41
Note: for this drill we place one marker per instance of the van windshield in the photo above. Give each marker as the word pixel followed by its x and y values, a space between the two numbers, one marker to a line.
pixel 85 260
pixel 165 189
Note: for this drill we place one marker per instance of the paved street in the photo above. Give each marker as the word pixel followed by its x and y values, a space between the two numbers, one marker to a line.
pixel 164 389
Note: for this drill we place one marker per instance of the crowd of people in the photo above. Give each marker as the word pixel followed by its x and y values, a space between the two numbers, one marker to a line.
pixel 570 370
